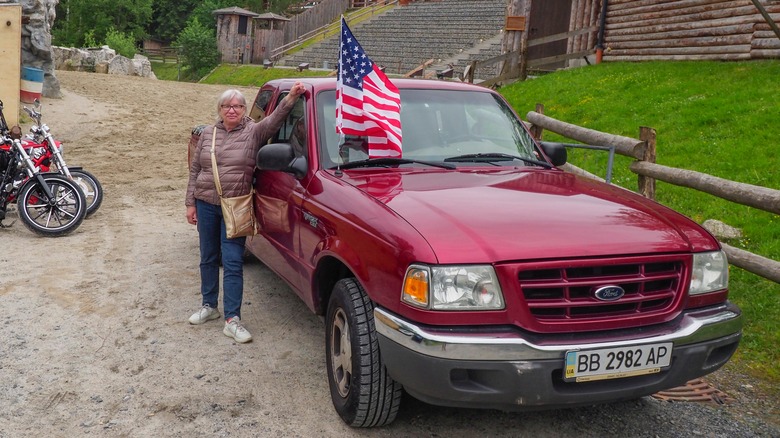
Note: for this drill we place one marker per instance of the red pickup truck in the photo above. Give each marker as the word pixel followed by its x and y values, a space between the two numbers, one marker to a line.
pixel 473 272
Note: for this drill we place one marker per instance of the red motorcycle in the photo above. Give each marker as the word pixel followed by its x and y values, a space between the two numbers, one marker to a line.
pixel 45 152
pixel 48 204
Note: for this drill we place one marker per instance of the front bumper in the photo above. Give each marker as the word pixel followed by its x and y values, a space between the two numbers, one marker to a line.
pixel 512 370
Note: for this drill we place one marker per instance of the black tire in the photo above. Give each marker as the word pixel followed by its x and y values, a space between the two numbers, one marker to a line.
pixel 93 191
pixel 53 219
pixel 363 393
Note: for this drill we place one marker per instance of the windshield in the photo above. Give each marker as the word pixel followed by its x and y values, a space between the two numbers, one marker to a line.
pixel 437 125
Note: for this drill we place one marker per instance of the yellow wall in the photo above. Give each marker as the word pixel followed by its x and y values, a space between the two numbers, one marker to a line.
pixel 10 59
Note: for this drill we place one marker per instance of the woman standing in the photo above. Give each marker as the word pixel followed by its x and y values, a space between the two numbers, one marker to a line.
pixel 238 138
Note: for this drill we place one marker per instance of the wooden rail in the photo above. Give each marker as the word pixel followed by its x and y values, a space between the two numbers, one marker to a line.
pixel 644 152
pixel 162 55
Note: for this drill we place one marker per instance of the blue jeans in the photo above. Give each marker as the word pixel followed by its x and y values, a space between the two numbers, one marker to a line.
pixel 211 229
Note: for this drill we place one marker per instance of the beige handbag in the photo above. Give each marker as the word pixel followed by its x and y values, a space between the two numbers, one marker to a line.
pixel 239 211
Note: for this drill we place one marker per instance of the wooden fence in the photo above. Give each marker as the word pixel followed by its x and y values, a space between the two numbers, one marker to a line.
pixel 312 23
pixel 643 150
pixel 165 54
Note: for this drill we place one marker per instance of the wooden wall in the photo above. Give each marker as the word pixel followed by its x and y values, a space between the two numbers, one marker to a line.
pixel 234 48
pixel 638 30
pixel 326 12
pixel 11 56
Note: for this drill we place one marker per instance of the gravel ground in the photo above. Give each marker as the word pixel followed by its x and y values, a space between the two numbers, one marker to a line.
pixel 94 338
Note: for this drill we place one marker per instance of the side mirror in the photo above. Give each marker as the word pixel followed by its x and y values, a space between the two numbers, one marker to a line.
pixel 281 157
pixel 556 152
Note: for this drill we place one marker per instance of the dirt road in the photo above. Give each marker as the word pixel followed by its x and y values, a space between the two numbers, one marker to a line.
pixel 94 338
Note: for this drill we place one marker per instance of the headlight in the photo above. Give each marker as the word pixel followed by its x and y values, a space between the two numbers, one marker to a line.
pixel 710 273
pixel 453 287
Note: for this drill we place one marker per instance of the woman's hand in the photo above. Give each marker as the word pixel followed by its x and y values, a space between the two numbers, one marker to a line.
pixel 297 90
pixel 192 215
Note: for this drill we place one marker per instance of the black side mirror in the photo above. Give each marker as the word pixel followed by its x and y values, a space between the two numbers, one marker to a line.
pixel 281 157
pixel 556 152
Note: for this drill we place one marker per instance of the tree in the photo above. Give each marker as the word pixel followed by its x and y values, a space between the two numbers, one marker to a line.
pixel 78 18
pixel 198 47
pixel 170 17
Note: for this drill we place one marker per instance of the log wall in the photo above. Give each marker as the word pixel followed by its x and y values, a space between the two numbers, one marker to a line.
pixel 641 30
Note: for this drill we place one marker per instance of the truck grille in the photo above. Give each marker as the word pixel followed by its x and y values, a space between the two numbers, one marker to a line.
pixel 558 292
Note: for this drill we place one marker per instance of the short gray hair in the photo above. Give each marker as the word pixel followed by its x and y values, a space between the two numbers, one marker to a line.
pixel 229 95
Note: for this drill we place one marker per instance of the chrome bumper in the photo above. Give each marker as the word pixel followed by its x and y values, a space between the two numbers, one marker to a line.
pixel 692 327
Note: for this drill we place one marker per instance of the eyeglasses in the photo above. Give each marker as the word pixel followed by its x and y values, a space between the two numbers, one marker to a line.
pixel 232 107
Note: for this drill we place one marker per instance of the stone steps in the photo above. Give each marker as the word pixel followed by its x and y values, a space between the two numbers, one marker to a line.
pixel 406 36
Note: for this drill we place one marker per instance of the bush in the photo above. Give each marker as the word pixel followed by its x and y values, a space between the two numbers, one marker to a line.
pixel 121 42
pixel 198 48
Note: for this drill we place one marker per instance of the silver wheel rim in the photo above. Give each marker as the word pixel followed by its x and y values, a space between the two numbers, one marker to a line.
pixel 341 352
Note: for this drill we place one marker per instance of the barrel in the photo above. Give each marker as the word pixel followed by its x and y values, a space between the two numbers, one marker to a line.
pixel 32 84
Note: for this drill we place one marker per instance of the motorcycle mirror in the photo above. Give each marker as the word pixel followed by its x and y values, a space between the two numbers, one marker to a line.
pixel 37 103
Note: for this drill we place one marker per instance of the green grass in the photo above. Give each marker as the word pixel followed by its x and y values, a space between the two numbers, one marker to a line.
pixel 719 118
pixel 255 75
pixel 168 71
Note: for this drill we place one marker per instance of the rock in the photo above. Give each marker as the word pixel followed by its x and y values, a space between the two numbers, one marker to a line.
pixel 36 42
pixel 119 65
pixel 722 230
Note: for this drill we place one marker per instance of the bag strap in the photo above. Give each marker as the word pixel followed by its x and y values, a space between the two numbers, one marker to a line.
pixel 214 161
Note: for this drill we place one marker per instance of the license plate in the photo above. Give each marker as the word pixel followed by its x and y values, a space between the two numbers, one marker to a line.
pixel 615 363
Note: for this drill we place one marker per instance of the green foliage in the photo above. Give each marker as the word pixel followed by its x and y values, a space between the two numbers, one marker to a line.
pixel 198 46
pixel 718 118
pixel 170 17
pixel 121 42
pixel 78 18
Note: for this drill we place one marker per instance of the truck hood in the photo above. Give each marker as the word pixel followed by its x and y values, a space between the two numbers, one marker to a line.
pixel 503 215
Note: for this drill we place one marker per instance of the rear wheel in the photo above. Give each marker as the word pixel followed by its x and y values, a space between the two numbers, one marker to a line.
pixel 53 217
pixel 363 393
pixel 93 191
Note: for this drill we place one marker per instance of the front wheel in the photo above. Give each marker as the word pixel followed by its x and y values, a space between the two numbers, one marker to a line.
pixel 55 216
pixel 93 191
pixel 363 392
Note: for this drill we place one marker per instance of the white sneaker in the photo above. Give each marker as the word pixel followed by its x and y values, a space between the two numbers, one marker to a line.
pixel 205 313
pixel 235 330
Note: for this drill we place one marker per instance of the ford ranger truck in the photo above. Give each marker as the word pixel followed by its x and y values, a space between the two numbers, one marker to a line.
pixel 473 272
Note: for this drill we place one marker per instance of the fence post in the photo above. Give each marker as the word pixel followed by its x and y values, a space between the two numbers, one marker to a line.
pixel 536 130
pixel 647 184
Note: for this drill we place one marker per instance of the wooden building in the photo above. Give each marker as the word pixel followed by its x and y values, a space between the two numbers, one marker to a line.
pixel 245 37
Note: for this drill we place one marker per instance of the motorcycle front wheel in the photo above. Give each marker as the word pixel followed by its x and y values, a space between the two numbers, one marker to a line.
pixel 93 191
pixel 53 217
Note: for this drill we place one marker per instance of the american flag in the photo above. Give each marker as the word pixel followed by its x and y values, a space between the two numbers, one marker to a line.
pixel 367 103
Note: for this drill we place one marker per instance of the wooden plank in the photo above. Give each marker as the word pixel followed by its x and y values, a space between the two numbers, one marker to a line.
pixel 685 51
pixel 683 30
pixel 627 146
pixel 558 58
pixel 767 268
pixel 746 194
pixel 652 6
pixel 560 36
pixel 686 43
pixel 677 17
pixel 632 57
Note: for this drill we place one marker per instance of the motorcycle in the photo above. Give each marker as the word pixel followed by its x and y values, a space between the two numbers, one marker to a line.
pixel 45 150
pixel 48 204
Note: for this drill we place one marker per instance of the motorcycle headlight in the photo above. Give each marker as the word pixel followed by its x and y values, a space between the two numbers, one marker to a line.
pixel 710 273
pixel 467 287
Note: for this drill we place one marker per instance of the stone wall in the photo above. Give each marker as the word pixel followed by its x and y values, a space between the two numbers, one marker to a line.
pixel 37 20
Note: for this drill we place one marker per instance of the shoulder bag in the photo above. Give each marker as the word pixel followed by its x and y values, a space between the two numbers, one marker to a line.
pixel 239 211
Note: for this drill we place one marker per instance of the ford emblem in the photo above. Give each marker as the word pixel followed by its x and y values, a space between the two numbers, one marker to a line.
pixel 609 293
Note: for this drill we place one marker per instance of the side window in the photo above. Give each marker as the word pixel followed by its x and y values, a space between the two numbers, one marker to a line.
pixel 293 129
pixel 260 107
